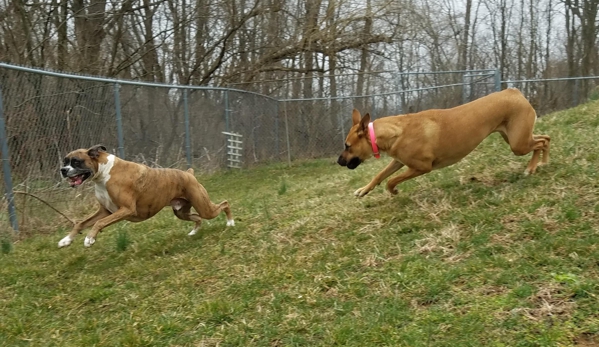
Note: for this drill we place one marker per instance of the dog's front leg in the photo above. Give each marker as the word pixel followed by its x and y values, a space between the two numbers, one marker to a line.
pixel 89 221
pixel 393 166
pixel 120 214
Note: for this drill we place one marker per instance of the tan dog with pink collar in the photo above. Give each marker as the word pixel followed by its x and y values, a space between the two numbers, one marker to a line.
pixel 135 192
pixel 434 139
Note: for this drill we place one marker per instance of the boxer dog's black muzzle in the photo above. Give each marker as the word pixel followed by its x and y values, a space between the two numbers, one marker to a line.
pixel 75 171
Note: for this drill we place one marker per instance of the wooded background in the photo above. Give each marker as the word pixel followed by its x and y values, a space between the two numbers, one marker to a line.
pixel 239 42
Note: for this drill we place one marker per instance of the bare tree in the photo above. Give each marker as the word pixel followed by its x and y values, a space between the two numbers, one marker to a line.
pixel 309 43
pixel 89 32
pixel 585 11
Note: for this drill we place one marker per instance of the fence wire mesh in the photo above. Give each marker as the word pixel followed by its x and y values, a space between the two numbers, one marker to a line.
pixel 46 118
pixel 50 114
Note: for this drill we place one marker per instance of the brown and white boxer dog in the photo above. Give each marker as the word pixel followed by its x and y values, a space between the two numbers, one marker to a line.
pixel 135 192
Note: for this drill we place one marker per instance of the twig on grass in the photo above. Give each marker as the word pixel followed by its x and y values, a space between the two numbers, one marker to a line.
pixel 47 204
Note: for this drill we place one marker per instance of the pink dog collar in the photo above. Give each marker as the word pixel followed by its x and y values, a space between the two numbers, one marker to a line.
pixel 375 148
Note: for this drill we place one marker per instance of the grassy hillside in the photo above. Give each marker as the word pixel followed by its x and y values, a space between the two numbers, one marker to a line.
pixel 472 255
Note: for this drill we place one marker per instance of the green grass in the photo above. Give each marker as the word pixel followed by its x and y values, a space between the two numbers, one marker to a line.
pixel 471 255
pixel 122 240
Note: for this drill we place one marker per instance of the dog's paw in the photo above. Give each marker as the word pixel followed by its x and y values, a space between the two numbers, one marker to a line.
pixel 193 232
pixel 392 191
pixel 362 191
pixel 66 241
pixel 89 241
pixel 230 222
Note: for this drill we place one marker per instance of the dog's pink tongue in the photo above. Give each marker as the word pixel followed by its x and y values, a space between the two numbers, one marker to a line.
pixel 75 181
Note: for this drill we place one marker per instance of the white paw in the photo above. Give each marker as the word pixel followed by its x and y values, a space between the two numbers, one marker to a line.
pixel 89 241
pixel 526 172
pixel 66 241
pixel 193 232
pixel 361 192
pixel 230 222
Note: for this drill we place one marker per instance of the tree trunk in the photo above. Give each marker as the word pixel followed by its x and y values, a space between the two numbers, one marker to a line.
pixel 89 33
pixel 361 103
pixel 463 56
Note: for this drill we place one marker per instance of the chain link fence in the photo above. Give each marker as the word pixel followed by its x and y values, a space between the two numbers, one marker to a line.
pixel 45 115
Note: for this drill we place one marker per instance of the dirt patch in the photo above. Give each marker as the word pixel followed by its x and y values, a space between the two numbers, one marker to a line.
pixel 587 340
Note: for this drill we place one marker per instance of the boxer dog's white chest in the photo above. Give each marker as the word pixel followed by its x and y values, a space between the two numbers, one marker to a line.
pixel 101 180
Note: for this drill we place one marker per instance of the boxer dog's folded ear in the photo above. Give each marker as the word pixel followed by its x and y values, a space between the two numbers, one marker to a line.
pixel 94 152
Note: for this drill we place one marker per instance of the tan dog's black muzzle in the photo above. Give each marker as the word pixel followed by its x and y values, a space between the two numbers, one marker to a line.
pixel 351 164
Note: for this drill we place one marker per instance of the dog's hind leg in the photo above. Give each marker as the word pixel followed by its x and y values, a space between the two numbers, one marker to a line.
pixel 404 176
pixel 545 150
pixel 540 145
pixel 182 209
pixel 199 199
pixel 518 134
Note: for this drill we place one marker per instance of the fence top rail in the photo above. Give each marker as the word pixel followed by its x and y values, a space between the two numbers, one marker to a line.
pixel 124 82
pixel 224 89
pixel 553 79
pixel 380 94
pixel 395 72
pixel 445 86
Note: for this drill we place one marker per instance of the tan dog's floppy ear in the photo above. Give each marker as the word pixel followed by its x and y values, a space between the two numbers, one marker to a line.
pixel 356 116
pixel 364 123
pixel 94 152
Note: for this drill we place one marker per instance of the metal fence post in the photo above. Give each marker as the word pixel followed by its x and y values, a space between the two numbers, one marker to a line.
pixel 187 131
pixel 575 92
pixel 342 123
pixel 373 107
pixel 403 83
pixel 12 212
pixel 339 111
pixel 464 88
pixel 227 112
pixel 287 135
pixel 277 129
pixel 119 120
pixel 497 80
pixel 227 116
